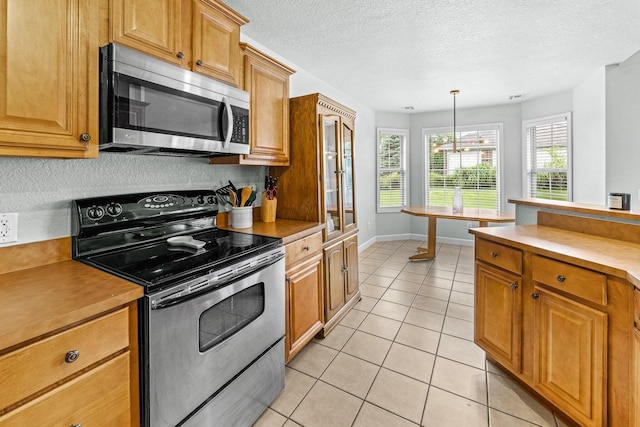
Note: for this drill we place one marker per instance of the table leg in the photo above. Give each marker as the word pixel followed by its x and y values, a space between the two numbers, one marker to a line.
pixel 430 251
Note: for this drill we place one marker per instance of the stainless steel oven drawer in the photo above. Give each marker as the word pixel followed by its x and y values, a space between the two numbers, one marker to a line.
pixel 242 401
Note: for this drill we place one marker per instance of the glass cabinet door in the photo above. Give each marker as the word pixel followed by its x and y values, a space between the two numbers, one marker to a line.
pixel 330 135
pixel 347 176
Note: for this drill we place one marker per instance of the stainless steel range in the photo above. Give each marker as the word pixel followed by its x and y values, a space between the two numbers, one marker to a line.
pixel 212 315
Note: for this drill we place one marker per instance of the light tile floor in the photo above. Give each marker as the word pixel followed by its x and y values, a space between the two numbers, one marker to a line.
pixel 404 355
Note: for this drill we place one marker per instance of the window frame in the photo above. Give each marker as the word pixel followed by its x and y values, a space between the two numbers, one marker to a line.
pixel 497 126
pixel 526 155
pixel 403 170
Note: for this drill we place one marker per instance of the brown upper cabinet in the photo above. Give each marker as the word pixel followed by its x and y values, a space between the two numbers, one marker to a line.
pixel 267 81
pixel 199 35
pixel 49 75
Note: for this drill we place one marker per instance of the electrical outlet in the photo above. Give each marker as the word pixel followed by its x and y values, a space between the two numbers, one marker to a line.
pixel 8 227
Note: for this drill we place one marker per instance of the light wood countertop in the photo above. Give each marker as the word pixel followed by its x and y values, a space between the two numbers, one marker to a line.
pixel 40 300
pixel 287 229
pixel 578 208
pixel 42 290
pixel 614 257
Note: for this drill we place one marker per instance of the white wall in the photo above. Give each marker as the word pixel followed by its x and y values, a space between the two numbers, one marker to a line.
pixel 623 128
pixel 589 136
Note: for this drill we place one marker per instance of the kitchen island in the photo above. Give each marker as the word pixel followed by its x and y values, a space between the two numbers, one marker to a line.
pixel 557 306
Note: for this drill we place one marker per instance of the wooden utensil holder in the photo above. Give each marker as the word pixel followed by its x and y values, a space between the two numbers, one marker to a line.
pixel 268 209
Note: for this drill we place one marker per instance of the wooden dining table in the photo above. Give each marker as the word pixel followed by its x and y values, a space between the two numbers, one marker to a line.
pixel 483 216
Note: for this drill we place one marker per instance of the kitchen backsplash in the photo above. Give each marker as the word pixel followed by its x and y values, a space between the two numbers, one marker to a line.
pixel 41 190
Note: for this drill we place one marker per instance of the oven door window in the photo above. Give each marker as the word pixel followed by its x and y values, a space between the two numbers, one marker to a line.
pixel 146 106
pixel 230 315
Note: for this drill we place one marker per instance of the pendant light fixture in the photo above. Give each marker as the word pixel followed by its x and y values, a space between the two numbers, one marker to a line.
pixel 455 143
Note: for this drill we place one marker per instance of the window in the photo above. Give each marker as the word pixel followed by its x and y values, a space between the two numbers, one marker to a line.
pixel 474 166
pixel 547 157
pixel 392 169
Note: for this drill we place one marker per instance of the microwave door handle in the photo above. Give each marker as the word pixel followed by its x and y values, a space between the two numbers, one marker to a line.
pixel 227 107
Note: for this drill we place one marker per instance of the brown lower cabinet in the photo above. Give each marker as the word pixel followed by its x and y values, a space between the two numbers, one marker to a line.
pixel 560 329
pixel 341 279
pixel 80 376
pixel 304 296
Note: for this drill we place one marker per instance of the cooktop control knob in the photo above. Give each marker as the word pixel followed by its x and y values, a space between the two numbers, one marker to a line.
pixel 114 209
pixel 95 212
pixel 200 200
pixel 211 200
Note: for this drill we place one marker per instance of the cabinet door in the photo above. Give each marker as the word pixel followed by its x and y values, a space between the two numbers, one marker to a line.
pixel 216 44
pixel 334 279
pixel 268 83
pixel 305 308
pixel 351 263
pixel 49 70
pixel 348 199
pixel 570 356
pixel 151 26
pixel 332 198
pixel 498 311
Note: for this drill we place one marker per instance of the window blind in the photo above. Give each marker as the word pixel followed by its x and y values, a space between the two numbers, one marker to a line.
pixel 392 169
pixel 548 157
pixel 474 166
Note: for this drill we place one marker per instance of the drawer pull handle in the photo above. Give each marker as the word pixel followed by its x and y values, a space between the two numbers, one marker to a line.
pixel 494 254
pixel 535 296
pixel 71 356
pixel 75 425
pixel 560 278
pixel 306 248
pixel 514 286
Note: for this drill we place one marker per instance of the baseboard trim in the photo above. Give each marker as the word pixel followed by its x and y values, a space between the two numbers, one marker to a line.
pixel 412 236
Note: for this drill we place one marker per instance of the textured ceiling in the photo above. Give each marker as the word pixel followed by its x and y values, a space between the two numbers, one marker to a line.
pixel 396 53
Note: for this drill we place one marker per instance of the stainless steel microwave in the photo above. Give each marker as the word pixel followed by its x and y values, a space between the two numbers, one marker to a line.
pixel 148 106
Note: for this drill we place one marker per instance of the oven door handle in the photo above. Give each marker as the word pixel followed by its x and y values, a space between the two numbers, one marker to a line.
pixel 236 274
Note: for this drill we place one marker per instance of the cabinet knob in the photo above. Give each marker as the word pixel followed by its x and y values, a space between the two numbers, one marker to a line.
pixel 180 55
pixel 85 137
pixel 514 286
pixel 71 356
pixel 199 62
pixel 306 248
pixel 494 254
pixel 560 278
pixel 535 296
pixel 289 280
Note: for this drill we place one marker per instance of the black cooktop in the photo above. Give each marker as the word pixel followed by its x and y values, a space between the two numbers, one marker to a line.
pixel 155 264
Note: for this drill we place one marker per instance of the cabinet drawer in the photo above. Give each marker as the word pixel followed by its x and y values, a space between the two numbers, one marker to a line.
pixel 100 397
pixel 577 281
pixel 499 255
pixel 636 312
pixel 36 366
pixel 300 249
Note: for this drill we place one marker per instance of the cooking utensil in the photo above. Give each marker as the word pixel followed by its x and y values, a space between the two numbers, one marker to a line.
pixel 245 193
pixel 233 197
pixel 252 198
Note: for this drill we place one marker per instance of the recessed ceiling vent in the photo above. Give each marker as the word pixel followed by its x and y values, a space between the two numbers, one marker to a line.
pixel 519 97
pixel 409 107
